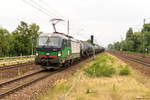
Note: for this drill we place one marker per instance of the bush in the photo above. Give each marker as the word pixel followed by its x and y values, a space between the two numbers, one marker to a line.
pixel 100 69
pixel 125 71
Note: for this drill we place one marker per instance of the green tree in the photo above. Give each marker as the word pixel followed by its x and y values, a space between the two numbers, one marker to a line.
pixel 34 34
pixel 25 37
pixel 4 42
pixel 129 33
pixel 111 47
pixel 22 41
pixel 146 27
pixel 135 42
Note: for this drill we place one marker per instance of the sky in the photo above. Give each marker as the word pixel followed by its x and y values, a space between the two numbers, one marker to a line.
pixel 107 20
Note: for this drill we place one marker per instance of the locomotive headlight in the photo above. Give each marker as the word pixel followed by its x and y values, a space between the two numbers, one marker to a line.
pixel 59 54
pixel 36 54
pixel 47 54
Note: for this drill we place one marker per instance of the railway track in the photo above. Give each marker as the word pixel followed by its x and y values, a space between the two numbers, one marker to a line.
pixel 17 83
pixel 140 61
pixel 13 85
pixel 15 65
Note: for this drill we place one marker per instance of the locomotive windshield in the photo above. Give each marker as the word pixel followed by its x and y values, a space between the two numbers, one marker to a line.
pixel 49 41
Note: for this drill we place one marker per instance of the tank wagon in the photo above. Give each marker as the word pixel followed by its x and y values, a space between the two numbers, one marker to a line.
pixel 57 49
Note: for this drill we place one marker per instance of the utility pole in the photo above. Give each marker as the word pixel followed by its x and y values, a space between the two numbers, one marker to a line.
pixel 143 35
pixel 92 42
pixel 92 39
pixel 68 27
pixel 144 21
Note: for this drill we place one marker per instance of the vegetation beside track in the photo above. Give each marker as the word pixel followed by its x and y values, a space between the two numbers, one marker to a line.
pixel 103 66
pixel 14 61
pixel 113 86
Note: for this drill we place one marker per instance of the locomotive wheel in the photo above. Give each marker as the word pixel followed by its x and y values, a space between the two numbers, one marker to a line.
pixel 66 64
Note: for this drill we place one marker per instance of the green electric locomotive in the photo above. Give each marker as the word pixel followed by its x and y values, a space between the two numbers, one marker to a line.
pixel 56 49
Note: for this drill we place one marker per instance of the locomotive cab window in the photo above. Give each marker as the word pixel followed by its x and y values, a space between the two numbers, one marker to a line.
pixel 64 43
pixel 68 42
pixel 49 41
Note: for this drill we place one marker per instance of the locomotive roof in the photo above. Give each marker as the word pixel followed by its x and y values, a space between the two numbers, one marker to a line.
pixel 53 34
pixel 62 35
pixel 45 34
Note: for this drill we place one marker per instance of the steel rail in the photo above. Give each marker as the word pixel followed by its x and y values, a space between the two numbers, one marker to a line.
pixel 11 90
pixel 16 65
pixel 8 91
pixel 133 59
pixel 19 78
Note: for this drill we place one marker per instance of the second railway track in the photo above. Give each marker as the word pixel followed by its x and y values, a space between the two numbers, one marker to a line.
pixel 140 61
pixel 15 65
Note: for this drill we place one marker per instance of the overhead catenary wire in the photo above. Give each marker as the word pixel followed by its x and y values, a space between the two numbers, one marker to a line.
pixel 58 13
pixel 35 7
pixel 41 7
pixel 48 11
pixel 43 10
pixel 58 16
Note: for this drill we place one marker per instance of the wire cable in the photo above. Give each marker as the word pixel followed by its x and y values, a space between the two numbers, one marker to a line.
pixel 37 8
pixel 43 2
pixel 56 16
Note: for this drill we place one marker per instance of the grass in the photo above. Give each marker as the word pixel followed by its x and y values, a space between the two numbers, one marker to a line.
pixel 125 86
pixel 125 71
pixel 56 92
pixel 115 93
pixel 100 69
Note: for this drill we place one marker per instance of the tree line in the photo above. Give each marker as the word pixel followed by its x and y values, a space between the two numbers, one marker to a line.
pixel 20 42
pixel 135 41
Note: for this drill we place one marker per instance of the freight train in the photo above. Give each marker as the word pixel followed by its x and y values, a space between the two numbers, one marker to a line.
pixel 57 49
